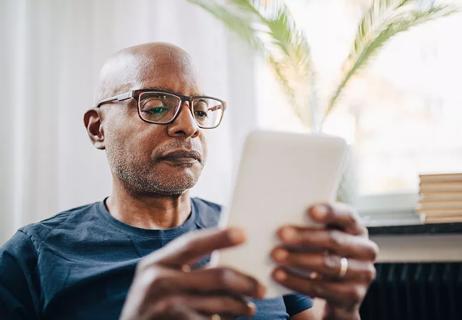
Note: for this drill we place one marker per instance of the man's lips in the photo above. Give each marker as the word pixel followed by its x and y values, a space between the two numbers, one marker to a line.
pixel 182 156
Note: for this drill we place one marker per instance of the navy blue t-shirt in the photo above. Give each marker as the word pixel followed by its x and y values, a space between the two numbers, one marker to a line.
pixel 80 263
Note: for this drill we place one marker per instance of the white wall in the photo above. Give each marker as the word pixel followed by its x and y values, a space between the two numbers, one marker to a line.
pixel 50 57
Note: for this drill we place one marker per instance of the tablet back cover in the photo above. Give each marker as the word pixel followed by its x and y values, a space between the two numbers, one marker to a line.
pixel 280 175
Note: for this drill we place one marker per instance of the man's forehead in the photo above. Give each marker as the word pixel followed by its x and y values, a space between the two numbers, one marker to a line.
pixel 149 65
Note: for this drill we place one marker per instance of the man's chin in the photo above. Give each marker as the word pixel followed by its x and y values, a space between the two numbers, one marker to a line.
pixel 165 178
pixel 178 170
pixel 173 187
pixel 175 181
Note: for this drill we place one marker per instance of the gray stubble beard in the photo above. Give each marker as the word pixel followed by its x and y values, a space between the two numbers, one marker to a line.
pixel 141 180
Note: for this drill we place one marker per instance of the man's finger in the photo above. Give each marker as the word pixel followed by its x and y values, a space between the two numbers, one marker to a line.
pixel 337 215
pixel 325 265
pixel 209 305
pixel 336 241
pixel 193 246
pixel 204 281
pixel 342 294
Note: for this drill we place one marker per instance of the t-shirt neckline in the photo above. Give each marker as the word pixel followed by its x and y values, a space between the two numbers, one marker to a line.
pixel 188 225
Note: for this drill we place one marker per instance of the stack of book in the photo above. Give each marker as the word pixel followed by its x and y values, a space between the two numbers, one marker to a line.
pixel 440 198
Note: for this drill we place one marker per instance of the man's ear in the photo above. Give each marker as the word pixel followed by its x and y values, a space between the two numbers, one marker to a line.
pixel 93 123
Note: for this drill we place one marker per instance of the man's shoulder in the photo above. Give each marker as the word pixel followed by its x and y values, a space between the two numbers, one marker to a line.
pixel 208 212
pixel 65 219
pixel 207 204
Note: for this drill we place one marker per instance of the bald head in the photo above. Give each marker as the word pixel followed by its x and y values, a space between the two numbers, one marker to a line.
pixel 134 67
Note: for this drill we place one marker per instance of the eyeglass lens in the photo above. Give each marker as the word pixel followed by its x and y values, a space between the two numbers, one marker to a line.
pixel 161 108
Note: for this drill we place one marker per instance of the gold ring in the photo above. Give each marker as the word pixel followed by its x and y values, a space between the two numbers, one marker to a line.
pixel 343 267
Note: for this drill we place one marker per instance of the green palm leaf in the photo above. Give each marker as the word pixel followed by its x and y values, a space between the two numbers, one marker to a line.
pixel 383 20
pixel 270 29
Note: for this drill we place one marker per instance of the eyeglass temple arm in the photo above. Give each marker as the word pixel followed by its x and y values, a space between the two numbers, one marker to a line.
pixel 119 97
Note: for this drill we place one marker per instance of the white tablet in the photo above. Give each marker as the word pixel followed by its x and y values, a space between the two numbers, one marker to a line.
pixel 280 175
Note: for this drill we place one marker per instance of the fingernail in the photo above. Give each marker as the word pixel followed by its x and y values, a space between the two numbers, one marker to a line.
pixel 280 275
pixel 236 235
pixel 288 234
pixel 252 307
pixel 280 254
pixel 320 212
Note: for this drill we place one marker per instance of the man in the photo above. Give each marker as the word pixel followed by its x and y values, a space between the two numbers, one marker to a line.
pixel 116 258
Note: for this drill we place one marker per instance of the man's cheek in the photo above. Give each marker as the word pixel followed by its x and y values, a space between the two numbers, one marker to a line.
pixel 204 148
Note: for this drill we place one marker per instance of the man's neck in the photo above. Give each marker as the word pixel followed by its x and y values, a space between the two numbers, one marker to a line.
pixel 148 211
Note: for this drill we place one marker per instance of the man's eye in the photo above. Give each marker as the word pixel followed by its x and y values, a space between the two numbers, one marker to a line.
pixel 201 114
pixel 157 110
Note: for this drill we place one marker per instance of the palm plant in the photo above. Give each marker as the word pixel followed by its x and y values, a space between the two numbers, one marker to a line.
pixel 270 29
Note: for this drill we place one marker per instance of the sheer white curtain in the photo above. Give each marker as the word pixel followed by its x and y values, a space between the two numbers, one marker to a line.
pixel 49 60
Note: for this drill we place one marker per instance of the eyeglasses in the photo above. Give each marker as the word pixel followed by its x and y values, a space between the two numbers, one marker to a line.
pixel 162 107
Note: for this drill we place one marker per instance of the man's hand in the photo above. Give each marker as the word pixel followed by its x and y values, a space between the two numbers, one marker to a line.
pixel 165 287
pixel 334 262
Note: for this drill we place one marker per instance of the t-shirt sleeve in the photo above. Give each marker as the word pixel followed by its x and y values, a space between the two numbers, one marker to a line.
pixel 18 285
pixel 296 303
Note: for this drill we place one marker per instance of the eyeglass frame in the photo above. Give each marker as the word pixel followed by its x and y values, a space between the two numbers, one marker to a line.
pixel 135 94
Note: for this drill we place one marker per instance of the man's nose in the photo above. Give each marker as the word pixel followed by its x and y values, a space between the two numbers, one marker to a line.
pixel 184 124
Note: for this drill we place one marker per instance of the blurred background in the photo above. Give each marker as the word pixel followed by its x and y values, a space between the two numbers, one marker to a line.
pixel 402 114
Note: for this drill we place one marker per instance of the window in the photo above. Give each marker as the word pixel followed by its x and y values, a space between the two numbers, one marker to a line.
pixel 402 113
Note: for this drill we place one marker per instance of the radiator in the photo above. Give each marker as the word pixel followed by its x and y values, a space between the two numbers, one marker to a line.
pixel 423 291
